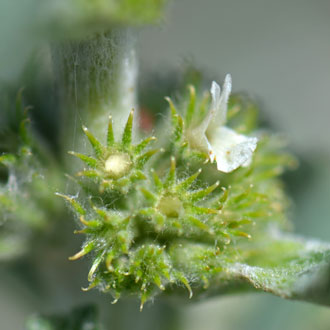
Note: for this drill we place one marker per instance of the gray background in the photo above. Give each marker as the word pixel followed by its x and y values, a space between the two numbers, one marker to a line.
pixel 279 53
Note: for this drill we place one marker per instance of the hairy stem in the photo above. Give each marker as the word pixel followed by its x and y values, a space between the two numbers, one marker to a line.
pixel 96 78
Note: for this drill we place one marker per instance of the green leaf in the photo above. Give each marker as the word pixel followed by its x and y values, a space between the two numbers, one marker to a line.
pixel 287 266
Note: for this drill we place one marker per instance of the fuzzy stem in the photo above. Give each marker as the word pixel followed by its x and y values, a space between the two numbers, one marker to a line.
pixel 96 77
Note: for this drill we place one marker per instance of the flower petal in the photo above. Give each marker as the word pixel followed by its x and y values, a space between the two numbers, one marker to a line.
pixel 219 102
pixel 198 140
pixel 231 149
pixel 210 117
pixel 218 111
pixel 215 93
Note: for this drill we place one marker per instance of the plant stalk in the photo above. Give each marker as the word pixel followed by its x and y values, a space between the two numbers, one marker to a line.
pixel 96 78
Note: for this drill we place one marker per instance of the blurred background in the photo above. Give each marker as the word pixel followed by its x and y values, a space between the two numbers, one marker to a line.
pixel 278 52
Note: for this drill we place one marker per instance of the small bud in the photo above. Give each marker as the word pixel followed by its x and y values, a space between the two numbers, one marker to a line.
pixel 117 165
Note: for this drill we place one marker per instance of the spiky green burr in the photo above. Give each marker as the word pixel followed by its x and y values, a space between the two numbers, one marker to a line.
pixel 115 165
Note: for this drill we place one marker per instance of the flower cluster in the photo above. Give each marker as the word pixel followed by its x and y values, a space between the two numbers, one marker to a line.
pixel 155 222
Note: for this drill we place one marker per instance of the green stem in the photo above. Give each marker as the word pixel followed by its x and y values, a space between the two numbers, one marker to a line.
pixel 96 78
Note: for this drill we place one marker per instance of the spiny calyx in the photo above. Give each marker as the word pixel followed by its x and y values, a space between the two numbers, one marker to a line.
pixel 173 206
pixel 116 164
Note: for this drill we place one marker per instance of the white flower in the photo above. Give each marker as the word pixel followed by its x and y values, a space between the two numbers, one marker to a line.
pixel 224 146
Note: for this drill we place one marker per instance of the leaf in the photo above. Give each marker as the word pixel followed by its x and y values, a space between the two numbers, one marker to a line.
pixel 287 266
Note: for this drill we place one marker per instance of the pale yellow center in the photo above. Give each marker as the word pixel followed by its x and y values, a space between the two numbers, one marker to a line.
pixel 117 165
pixel 170 206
